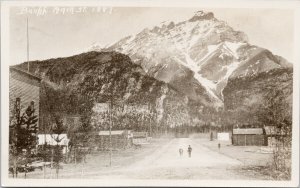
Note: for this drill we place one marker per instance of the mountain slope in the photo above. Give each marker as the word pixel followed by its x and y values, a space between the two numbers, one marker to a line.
pixel 197 56
pixel 251 95
pixel 78 85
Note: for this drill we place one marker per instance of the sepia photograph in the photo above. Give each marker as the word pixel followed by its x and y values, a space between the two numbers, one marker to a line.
pixel 140 93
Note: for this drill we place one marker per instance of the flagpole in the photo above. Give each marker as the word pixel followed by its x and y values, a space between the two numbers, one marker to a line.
pixel 27 45
pixel 111 123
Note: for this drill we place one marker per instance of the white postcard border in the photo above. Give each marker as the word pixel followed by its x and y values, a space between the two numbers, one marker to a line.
pixel 292 5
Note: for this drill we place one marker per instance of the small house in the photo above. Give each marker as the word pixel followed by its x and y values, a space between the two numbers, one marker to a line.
pixel 140 137
pixel 249 137
pixel 120 139
pixel 54 140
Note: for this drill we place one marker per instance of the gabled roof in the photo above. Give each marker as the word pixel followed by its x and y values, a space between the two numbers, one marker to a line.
pixel 248 131
pixel 25 73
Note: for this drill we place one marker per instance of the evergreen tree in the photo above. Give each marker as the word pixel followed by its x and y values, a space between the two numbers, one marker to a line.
pixel 23 135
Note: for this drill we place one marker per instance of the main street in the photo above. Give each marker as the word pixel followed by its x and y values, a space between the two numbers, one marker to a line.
pixel 158 160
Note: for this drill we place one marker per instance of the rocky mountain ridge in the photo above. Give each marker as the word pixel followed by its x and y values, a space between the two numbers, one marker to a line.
pixel 80 84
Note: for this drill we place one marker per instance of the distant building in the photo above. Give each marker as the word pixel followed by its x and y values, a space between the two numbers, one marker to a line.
pixel 223 136
pixel 120 139
pixel 140 137
pixel 249 137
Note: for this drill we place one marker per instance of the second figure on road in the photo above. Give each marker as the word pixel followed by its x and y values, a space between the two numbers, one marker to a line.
pixel 180 151
pixel 190 150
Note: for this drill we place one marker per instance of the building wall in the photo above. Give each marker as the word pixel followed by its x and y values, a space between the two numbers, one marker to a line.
pixel 117 141
pixel 139 140
pixel 25 87
pixel 248 140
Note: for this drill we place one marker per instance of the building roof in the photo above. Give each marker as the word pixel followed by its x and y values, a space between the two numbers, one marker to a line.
pixel 25 73
pixel 126 133
pixel 248 131
pixel 116 132
pixel 106 133
pixel 139 134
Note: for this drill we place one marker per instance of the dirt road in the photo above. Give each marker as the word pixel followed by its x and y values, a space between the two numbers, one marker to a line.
pixel 166 163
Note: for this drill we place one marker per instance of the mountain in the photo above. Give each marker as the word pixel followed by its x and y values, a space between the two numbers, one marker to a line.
pixel 196 72
pixel 197 56
pixel 265 95
pixel 79 85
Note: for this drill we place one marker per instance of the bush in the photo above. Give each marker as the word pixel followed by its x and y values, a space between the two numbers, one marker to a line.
pixel 280 168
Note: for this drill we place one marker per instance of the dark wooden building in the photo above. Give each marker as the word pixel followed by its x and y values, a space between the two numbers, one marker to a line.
pixel 24 87
pixel 249 137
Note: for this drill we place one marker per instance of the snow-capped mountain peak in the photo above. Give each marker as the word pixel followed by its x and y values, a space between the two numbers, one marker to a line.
pixel 197 56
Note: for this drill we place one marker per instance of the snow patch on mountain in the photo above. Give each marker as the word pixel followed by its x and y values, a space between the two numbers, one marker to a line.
pixel 207 84
pixel 211 50
pixel 233 47
pixel 230 69
pixel 96 46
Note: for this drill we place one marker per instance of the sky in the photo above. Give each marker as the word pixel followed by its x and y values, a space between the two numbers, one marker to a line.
pixel 69 31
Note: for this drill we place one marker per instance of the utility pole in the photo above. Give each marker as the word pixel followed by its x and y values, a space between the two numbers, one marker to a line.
pixel 16 135
pixel 150 117
pixel 75 160
pixel 111 122
pixel 52 153
pixel 150 131
pixel 44 149
pixel 27 46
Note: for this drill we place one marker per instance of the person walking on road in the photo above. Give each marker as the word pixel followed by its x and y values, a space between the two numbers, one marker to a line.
pixel 180 151
pixel 190 150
